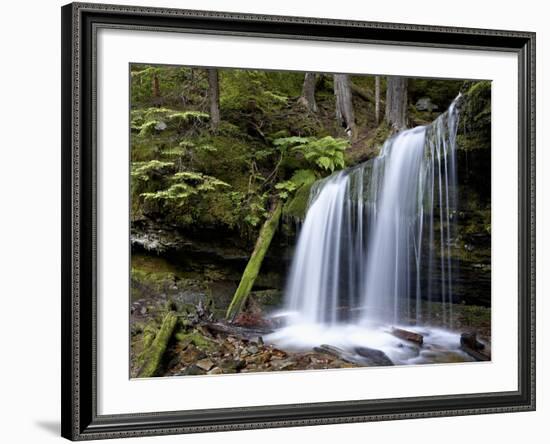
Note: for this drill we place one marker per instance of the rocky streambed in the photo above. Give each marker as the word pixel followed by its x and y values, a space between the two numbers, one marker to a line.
pixel 199 344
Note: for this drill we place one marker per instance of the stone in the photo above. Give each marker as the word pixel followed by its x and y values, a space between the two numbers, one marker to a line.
pixel 192 370
pixel 374 357
pixel 192 354
pixel 205 364
pixel 215 371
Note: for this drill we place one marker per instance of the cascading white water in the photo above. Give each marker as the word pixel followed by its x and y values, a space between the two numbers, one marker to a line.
pixel 376 241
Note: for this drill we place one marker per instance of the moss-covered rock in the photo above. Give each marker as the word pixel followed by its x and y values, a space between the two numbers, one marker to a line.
pixel 475 117
pixel 296 207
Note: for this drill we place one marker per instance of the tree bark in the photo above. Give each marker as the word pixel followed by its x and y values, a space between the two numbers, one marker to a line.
pixel 377 99
pixel 308 92
pixel 344 104
pixel 253 267
pixel 157 99
pixel 214 96
pixel 396 102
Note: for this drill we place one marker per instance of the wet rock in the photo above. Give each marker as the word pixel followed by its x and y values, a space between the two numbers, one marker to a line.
pixel 192 354
pixel 470 345
pixel 232 365
pixel 205 364
pixel 282 364
pixel 215 371
pixel 470 340
pixel 407 335
pixel 373 356
pixel 192 370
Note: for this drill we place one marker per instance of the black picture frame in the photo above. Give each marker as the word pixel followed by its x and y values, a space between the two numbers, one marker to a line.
pixel 80 420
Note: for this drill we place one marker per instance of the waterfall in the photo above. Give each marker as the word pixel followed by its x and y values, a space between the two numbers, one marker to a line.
pixel 375 245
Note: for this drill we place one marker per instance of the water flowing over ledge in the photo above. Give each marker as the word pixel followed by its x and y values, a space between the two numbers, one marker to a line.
pixel 374 240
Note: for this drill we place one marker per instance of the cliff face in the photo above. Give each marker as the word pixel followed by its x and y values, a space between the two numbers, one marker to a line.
pixel 473 243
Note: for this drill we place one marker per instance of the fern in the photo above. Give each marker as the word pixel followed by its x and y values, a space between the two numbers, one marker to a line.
pixel 143 170
pixel 187 184
pixel 326 153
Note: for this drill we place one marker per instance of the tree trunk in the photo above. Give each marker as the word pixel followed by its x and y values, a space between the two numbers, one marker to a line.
pixel 377 99
pixel 308 92
pixel 214 95
pixel 253 267
pixel 153 356
pixel 396 102
pixel 157 99
pixel 344 105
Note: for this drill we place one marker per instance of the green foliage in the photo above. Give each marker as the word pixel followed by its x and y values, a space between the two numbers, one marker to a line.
pixel 266 91
pixel 144 170
pixel 296 207
pixel 476 116
pixel 186 184
pixel 298 179
pixel 327 153
pixel 178 85
pixel 146 121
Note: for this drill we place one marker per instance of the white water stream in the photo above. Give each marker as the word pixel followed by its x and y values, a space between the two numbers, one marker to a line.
pixel 374 250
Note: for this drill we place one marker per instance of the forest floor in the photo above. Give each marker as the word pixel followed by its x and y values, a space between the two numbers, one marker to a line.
pixel 203 343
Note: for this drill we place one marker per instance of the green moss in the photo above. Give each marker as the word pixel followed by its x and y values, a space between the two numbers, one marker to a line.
pixel 475 119
pixel 153 355
pixel 254 264
pixel 296 207
pixel 195 338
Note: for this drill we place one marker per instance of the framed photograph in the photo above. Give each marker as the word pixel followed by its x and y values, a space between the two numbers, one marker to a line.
pixel 279 221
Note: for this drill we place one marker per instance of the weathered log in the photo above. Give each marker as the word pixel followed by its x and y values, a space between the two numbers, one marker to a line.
pixel 408 335
pixel 376 357
pixel 236 331
pixel 153 356
pixel 253 267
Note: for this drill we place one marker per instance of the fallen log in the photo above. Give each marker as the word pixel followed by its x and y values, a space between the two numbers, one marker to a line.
pixel 236 331
pixel 408 335
pixel 153 355
pixel 253 267
pixel 376 357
